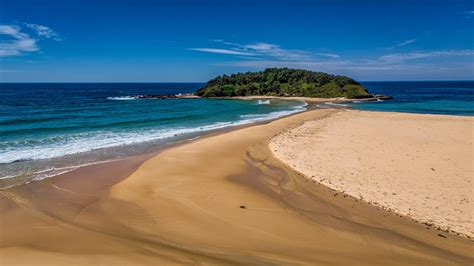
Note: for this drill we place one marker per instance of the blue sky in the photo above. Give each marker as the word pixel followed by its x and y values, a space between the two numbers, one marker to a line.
pixel 192 40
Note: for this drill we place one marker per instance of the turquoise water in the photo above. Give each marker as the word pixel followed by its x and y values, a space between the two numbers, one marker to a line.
pixel 51 128
pixel 46 129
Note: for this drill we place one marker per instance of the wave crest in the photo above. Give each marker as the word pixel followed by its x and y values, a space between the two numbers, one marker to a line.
pixel 122 98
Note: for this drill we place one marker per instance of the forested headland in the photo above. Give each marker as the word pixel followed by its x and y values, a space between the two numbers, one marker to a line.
pixel 284 82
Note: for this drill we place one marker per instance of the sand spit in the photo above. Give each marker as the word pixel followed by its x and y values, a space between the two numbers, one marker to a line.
pixel 303 99
pixel 421 166
pixel 312 99
pixel 222 199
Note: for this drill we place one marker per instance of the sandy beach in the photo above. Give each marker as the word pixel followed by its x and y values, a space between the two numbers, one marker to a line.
pixel 314 100
pixel 420 166
pixel 220 199
pixel 303 99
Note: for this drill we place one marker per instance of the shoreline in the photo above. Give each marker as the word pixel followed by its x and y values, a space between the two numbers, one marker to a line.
pixel 143 156
pixel 379 181
pixel 160 211
pixel 10 182
pixel 304 99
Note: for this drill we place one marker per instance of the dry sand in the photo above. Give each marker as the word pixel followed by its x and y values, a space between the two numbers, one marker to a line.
pixel 303 99
pixel 221 199
pixel 421 166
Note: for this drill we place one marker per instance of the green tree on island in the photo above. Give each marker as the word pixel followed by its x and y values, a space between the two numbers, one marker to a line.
pixel 284 82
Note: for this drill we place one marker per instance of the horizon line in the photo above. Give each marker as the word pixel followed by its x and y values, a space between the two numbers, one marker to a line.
pixel 195 82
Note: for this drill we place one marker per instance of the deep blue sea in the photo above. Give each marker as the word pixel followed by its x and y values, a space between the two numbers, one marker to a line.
pixel 51 128
pixel 424 97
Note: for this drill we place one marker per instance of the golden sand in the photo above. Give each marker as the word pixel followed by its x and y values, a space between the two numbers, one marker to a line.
pixel 221 199
pixel 421 166
pixel 304 99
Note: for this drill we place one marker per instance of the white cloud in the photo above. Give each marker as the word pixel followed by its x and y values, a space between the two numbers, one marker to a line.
pixel 401 44
pixel 274 51
pixel 225 42
pixel 329 55
pixel 411 64
pixel 261 46
pixel 400 57
pixel 19 42
pixel 392 65
pixel 261 50
pixel 43 31
pixel 220 51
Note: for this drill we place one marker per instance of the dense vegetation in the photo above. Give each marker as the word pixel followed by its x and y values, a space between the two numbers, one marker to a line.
pixel 283 82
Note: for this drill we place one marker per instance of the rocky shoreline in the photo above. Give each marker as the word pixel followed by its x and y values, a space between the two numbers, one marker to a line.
pixel 376 97
pixel 167 96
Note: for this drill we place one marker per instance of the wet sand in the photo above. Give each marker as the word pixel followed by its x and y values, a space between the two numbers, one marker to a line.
pixel 220 199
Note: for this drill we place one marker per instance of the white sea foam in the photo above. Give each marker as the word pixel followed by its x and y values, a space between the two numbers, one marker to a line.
pixel 122 98
pixel 263 102
pixel 335 104
pixel 251 118
pixel 84 142
pixel 49 172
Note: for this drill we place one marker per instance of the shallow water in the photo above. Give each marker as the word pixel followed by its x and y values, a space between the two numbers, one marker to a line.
pixel 46 129
pixel 51 128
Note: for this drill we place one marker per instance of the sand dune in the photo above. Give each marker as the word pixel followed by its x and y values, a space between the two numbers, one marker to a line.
pixel 220 199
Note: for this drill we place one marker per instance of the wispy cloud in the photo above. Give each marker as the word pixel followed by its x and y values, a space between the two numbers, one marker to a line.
pixel 400 57
pixel 261 50
pixel 384 62
pixel 276 52
pixel 468 14
pixel 407 42
pixel 225 42
pixel 439 63
pixel 19 42
pixel 329 55
pixel 429 64
pixel 44 31
pixel 221 51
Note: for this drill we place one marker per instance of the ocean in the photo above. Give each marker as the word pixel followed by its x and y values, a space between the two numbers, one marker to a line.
pixel 423 97
pixel 51 128
pixel 47 129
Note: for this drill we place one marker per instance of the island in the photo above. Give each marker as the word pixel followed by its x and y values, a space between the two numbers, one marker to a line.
pixel 286 82
pixel 299 84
